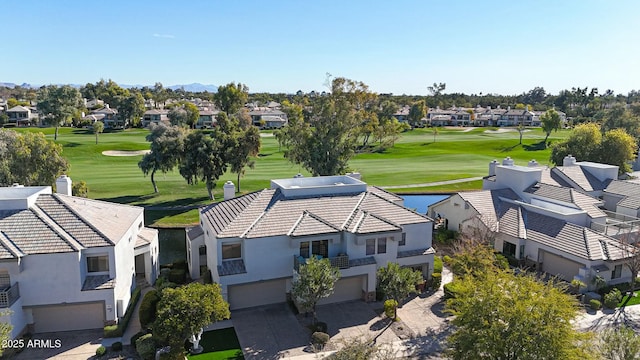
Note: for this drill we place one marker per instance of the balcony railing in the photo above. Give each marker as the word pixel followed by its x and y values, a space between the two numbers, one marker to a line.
pixel 9 295
pixel 340 261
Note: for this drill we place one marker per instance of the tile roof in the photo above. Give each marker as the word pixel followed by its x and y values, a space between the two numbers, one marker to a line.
pixel 110 219
pixel 622 187
pixel 581 177
pixel 146 236
pixel 195 232
pixel 31 234
pixel 73 224
pixel 385 194
pixel 98 282
pixel 362 261
pixel 567 195
pixel 269 213
pixel 231 267
pixel 416 252
pixel 511 221
pixel 485 202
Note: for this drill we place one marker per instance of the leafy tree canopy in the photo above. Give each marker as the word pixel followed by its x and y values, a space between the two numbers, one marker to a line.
pixel 314 281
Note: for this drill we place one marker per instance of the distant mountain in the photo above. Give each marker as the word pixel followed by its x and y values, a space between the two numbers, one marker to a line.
pixel 195 87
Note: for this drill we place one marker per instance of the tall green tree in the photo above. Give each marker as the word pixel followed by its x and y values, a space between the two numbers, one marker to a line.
pixel 98 128
pixel 205 158
pixel 184 311
pixel 167 148
pixel 324 140
pixel 397 283
pixel 29 159
pixel 246 146
pixel 58 104
pixel 550 121
pixel 231 98
pixel 417 112
pixel 315 280
pixel 619 117
pixel 184 114
pixel 131 108
pixel 505 316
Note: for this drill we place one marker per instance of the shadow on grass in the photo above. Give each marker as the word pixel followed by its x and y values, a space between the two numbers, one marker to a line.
pixel 535 147
pixel 71 145
pixel 148 202
pixel 81 131
pixel 507 148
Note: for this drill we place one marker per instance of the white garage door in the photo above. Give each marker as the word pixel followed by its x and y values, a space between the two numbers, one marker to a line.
pixel 346 289
pixel 68 317
pixel 257 293
pixel 558 266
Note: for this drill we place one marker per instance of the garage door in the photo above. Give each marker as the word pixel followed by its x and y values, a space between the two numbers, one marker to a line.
pixel 257 293
pixel 346 289
pixel 558 266
pixel 68 317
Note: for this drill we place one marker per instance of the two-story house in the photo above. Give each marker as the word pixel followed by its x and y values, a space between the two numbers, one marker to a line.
pixel 207 119
pixel 548 219
pixel 155 116
pixel 69 263
pixel 253 243
pixel 19 116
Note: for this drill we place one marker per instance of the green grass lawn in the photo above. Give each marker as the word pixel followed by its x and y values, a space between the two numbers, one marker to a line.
pixel 415 159
pixel 634 300
pixel 219 345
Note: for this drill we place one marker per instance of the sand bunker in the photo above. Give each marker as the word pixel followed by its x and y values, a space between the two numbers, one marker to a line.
pixel 501 130
pixel 125 153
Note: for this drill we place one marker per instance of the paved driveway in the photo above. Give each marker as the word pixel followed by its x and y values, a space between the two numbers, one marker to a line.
pixel 73 345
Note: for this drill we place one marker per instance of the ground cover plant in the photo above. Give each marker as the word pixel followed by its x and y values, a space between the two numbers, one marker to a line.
pixel 219 345
pixel 414 159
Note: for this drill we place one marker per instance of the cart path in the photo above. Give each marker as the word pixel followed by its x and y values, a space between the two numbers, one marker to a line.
pixel 437 183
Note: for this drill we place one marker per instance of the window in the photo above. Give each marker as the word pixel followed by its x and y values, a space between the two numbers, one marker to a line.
pixel 231 251
pixel 509 248
pixel 317 247
pixel 382 245
pixel 98 263
pixel 403 241
pixel 202 250
pixel 371 246
pixel 617 272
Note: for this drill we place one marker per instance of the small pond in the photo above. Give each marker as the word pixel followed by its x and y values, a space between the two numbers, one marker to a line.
pixel 421 202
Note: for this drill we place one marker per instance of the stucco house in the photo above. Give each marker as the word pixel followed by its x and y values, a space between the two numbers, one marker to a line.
pixel 253 243
pixel 19 116
pixel 554 228
pixel 70 263
pixel 155 116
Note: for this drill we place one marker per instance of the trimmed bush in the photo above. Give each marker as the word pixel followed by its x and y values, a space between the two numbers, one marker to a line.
pixel 177 276
pixel 147 311
pixel 180 264
pixel 437 265
pixel 436 280
pixel 117 330
pixel 101 351
pixel 595 304
pixel 447 260
pixel 444 236
pixel 451 289
pixel 321 327
pixel 390 307
pixel 206 277
pixel 116 346
pixel 137 336
pixel 502 261
pixel 146 347
pixel 612 298
pixel 319 338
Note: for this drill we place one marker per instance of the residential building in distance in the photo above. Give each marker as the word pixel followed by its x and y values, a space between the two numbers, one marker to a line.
pixel 550 219
pixel 70 263
pixel 155 116
pixel 19 116
pixel 252 244
pixel 207 119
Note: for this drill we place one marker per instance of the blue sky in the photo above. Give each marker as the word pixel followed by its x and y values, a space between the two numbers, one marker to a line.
pixel 505 47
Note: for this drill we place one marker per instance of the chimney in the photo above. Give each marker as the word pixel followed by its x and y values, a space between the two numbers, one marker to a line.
pixel 533 163
pixel 568 160
pixel 492 167
pixel 508 161
pixel 229 190
pixel 63 185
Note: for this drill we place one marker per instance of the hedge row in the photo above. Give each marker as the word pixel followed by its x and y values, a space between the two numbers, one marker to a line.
pixel 112 331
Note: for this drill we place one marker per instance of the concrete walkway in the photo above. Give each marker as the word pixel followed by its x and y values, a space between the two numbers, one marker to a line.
pixel 437 183
pixel 134 323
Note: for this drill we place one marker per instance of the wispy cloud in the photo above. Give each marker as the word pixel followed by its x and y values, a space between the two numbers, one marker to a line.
pixel 164 36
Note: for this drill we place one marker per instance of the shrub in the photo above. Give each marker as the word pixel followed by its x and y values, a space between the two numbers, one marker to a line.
pixel 379 294
pixel 180 264
pixel 137 336
pixel 436 280
pixel 612 298
pixel 502 261
pixel 451 289
pixel 206 277
pixel 146 347
pixel 390 308
pixel 444 236
pixel 101 351
pixel 321 327
pixel 116 346
pixel 319 338
pixel 111 331
pixel 595 304
pixel 447 260
pixel 147 311
pixel 177 276
pixel 437 265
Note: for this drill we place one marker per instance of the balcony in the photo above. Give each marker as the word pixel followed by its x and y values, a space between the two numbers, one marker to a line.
pixel 9 295
pixel 340 261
